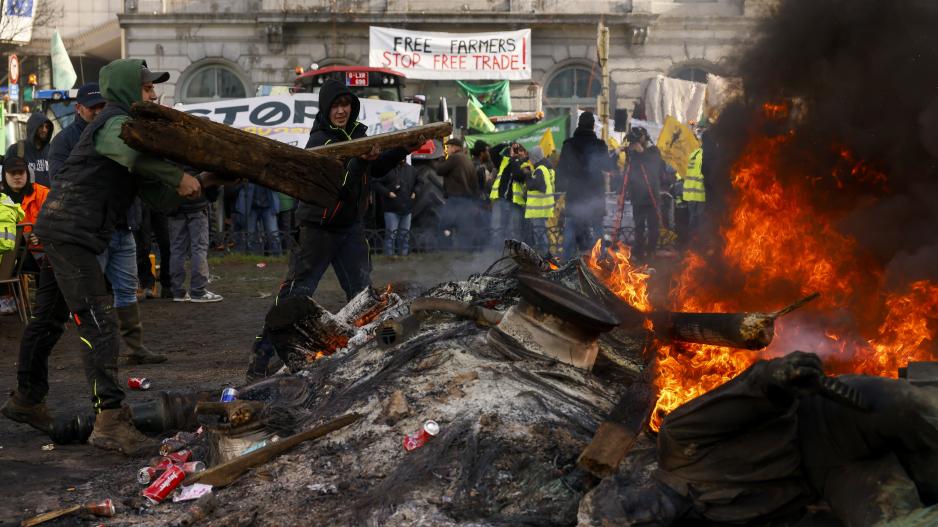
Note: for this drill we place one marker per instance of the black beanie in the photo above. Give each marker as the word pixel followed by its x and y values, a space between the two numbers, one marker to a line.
pixel 586 121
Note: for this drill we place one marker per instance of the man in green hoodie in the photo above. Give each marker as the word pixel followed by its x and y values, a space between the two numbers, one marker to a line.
pixel 94 189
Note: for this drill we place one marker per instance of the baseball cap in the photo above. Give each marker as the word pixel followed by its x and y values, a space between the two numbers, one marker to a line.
pixel 89 95
pixel 155 77
pixel 14 163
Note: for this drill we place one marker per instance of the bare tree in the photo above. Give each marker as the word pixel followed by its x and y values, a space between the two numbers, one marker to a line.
pixel 46 14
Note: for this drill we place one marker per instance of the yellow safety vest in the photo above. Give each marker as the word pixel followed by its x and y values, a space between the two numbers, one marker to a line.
pixel 10 214
pixel 517 187
pixel 693 180
pixel 541 204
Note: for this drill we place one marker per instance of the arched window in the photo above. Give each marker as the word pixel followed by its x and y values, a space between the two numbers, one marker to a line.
pixel 212 82
pixel 690 73
pixel 576 82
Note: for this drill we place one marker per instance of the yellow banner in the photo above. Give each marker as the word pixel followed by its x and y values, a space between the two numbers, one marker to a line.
pixel 676 142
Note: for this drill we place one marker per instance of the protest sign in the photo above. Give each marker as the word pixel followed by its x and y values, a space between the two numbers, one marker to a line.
pixel 289 118
pixel 452 56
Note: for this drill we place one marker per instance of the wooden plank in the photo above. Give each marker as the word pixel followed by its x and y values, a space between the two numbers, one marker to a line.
pixel 224 474
pixel 616 435
pixel 313 176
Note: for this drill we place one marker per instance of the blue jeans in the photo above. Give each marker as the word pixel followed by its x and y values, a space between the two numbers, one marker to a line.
pixel 539 235
pixel 396 229
pixel 506 222
pixel 189 238
pixel 119 265
pixel 270 235
pixel 579 235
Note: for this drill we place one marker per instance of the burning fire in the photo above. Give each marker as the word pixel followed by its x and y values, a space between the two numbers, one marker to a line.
pixel 778 245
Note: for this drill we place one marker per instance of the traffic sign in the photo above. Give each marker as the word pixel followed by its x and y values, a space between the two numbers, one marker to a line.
pixel 14 69
pixel 14 92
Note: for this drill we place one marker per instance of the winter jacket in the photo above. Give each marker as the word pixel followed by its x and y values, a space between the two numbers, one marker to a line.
pixel 583 159
pixel 31 198
pixel 459 176
pixel 353 195
pixel 62 145
pixel 10 214
pixel 646 171
pixel 402 181
pixel 98 182
pixel 36 159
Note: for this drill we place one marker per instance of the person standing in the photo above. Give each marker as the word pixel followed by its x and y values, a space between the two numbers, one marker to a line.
pixel 285 220
pixel 259 204
pixel 461 190
pixel 333 236
pixel 95 187
pixel 188 227
pixel 539 204
pixel 646 171
pixel 507 194
pixel 397 190
pixel 35 148
pixel 88 104
pixel 583 161
pixel 694 192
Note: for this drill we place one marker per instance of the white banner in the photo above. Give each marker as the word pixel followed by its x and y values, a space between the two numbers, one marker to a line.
pixel 452 56
pixel 289 118
pixel 16 24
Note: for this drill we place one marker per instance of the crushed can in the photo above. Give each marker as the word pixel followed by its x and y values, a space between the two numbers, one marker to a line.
pixel 164 485
pixel 180 456
pixel 104 508
pixel 420 437
pixel 146 475
pixel 138 383
pixel 192 467
pixel 228 395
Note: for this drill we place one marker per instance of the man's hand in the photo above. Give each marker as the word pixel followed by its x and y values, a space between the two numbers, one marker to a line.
pixel 371 156
pixel 32 239
pixel 392 195
pixel 189 187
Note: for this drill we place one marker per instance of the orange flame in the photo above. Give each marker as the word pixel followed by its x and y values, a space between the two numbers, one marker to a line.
pixel 778 246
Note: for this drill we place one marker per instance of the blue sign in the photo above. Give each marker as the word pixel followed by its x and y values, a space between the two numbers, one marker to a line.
pixel 14 92
pixel 22 8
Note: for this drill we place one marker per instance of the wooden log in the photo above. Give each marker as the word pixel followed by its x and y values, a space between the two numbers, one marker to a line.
pixel 313 176
pixel 616 435
pixel 226 473
pixel 302 331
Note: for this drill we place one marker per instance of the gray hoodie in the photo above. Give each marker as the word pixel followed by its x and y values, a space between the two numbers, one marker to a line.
pixel 36 159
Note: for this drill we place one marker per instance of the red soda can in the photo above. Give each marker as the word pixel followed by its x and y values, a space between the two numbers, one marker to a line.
pixel 192 467
pixel 420 437
pixel 138 383
pixel 147 474
pixel 103 508
pixel 165 484
pixel 180 456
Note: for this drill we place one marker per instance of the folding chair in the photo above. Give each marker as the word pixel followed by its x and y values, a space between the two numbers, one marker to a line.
pixel 11 263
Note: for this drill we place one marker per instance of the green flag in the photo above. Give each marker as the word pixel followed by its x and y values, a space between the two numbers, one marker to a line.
pixel 63 73
pixel 477 118
pixel 494 99
pixel 529 136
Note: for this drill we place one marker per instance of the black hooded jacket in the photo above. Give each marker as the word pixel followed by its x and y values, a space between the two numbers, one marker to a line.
pixel 37 160
pixel 353 198
pixel 583 159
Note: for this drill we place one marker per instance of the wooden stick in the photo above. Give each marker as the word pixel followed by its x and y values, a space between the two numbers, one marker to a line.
pixel 313 176
pixel 616 435
pixel 51 515
pixel 226 473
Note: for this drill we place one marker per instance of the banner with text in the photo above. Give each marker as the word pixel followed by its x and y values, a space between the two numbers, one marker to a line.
pixel 289 118
pixel 452 56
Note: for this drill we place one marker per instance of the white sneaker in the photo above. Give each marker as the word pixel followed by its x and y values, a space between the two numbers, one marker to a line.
pixel 182 298
pixel 206 297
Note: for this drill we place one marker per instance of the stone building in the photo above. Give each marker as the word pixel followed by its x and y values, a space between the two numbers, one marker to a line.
pixel 219 49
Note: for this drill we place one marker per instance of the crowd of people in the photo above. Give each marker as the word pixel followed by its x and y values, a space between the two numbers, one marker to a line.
pixel 91 209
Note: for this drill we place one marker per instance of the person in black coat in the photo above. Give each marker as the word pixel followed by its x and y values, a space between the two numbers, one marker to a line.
pixel 397 190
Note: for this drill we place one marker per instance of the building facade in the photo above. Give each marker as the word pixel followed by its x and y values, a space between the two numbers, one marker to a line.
pixel 217 49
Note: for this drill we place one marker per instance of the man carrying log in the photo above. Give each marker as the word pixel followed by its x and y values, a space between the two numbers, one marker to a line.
pixel 94 189
pixel 332 235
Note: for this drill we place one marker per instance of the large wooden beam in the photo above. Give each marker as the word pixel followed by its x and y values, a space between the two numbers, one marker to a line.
pixel 313 175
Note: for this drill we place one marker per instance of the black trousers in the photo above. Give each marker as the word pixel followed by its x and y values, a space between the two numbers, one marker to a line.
pixel 40 336
pixel 155 225
pixel 84 288
pixel 646 229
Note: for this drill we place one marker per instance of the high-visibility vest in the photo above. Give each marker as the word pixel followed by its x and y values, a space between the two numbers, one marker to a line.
pixel 693 180
pixel 517 187
pixel 541 204
pixel 10 214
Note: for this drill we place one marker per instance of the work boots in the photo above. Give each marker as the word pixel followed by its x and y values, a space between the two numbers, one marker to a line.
pixel 114 430
pixel 132 333
pixel 35 415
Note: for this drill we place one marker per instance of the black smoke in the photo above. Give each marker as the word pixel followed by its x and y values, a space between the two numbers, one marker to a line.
pixel 863 78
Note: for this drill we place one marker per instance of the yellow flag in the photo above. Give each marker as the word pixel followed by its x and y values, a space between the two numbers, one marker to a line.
pixel 477 118
pixel 547 143
pixel 676 143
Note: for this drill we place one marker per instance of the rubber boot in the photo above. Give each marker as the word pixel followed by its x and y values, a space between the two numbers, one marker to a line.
pixel 114 430
pixel 132 334
pixel 35 415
